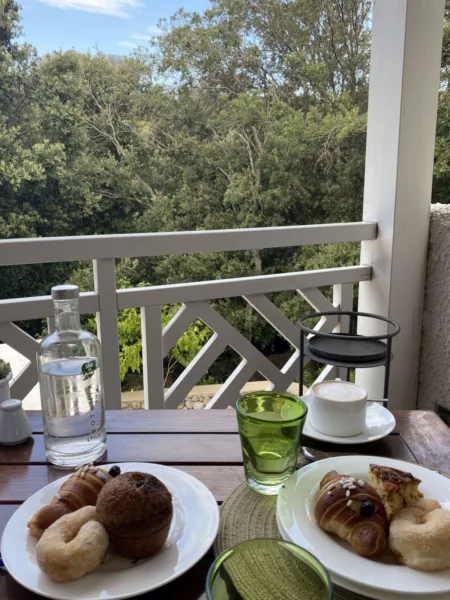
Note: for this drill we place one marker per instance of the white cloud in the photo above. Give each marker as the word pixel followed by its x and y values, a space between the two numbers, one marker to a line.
pixel 118 8
pixel 140 36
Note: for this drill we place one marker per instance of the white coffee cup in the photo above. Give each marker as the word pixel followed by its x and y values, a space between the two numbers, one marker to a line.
pixel 338 408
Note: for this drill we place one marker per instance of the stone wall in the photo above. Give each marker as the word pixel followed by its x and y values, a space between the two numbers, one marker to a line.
pixel 434 375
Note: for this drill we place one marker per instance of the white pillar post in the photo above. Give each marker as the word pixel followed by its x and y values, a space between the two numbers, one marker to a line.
pixel 105 286
pixel 403 93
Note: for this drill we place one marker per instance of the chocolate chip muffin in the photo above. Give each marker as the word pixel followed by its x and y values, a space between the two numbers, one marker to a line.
pixel 136 511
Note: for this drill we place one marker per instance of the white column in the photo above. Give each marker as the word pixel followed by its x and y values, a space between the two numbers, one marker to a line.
pixel 105 286
pixel 343 299
pixel 152 356
pixel 404 83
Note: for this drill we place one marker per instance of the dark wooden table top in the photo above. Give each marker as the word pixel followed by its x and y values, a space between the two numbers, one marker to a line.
pixel 204 443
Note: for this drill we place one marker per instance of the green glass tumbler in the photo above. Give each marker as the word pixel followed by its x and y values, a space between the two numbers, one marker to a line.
pixel 267 569
pixel 270 426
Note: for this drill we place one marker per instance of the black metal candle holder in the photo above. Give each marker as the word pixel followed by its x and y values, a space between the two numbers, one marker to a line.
pixel 347 350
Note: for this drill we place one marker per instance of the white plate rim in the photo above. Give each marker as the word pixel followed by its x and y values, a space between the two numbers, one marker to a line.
pixel 323 545
pixel 359 588
pixel 363 438
pixel 58 591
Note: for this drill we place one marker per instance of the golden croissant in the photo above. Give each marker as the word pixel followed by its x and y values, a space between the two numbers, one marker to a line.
pixel 351 509
pixel 81 489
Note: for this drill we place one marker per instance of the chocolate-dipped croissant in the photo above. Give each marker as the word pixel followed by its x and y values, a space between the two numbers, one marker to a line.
pixel 81 489
pixel 351 509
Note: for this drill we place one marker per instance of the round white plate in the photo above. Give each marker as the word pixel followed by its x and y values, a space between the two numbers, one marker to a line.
pixel 379 423
pixel 359 588
pixel 194 527
pixel 295 513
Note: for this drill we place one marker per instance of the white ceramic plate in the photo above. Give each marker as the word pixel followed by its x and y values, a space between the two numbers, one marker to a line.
pixel 359 588
pixel 194 527
pixel 379 423
pixel 295 513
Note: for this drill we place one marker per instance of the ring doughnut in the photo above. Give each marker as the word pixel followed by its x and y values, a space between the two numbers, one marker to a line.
pixel 419 536
pixel 73 546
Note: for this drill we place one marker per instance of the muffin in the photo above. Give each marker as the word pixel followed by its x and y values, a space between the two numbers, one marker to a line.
pixel 136 511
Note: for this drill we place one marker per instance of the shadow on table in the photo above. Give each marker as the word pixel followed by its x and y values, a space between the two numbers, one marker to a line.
pixel 190 586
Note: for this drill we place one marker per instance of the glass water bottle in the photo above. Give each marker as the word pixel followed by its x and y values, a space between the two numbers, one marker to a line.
pixel 71 386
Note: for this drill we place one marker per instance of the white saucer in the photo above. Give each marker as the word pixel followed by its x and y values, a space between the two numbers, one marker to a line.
pixel 381 579
pixel 379 423
pixel 194 527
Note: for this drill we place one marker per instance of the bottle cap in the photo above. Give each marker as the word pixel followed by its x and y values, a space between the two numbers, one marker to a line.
pixel 65 292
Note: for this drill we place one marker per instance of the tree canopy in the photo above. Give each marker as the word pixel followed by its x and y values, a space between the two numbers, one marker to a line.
pixel 250 114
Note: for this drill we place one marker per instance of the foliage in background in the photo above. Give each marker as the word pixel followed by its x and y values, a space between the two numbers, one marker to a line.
pixel 129 327
pixel 5 369
pixel 250 114
pixel 130 340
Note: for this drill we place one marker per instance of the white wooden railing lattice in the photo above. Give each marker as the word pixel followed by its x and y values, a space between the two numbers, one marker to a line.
pixel 194 299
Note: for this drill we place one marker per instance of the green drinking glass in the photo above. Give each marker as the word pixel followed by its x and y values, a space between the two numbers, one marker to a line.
pixel 270 426
pixel 267 569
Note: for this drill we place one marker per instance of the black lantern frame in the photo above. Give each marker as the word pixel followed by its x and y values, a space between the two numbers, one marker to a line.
pixel 347 350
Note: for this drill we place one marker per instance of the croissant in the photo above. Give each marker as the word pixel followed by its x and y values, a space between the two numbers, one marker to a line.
pixel 81 489
pixel 351 509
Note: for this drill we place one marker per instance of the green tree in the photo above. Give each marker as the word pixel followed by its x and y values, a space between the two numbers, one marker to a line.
pixel 312 51
pixel 129 327
pixel 249 115
pixel 441 183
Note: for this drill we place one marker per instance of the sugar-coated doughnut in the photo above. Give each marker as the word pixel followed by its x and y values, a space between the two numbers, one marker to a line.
pixel 419 536
pixel 73 546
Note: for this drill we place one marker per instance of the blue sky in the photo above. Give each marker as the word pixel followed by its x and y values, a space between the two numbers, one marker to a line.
pixel 115 26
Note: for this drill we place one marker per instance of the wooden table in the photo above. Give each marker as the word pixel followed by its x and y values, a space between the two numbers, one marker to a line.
pixel 204 443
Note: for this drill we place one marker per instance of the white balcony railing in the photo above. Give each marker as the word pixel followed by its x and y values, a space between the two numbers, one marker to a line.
pixel 106 300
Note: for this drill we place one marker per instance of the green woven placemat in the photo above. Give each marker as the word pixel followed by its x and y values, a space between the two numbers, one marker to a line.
pixel 246 515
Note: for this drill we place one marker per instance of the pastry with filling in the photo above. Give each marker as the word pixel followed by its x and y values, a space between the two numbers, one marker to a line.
pixel 351 509
pixel 80 490
pixel 397 489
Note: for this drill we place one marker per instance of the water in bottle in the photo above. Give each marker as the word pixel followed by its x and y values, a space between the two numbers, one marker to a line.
pixel 71 386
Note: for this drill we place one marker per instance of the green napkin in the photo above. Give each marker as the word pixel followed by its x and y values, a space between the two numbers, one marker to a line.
pixel 272 572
